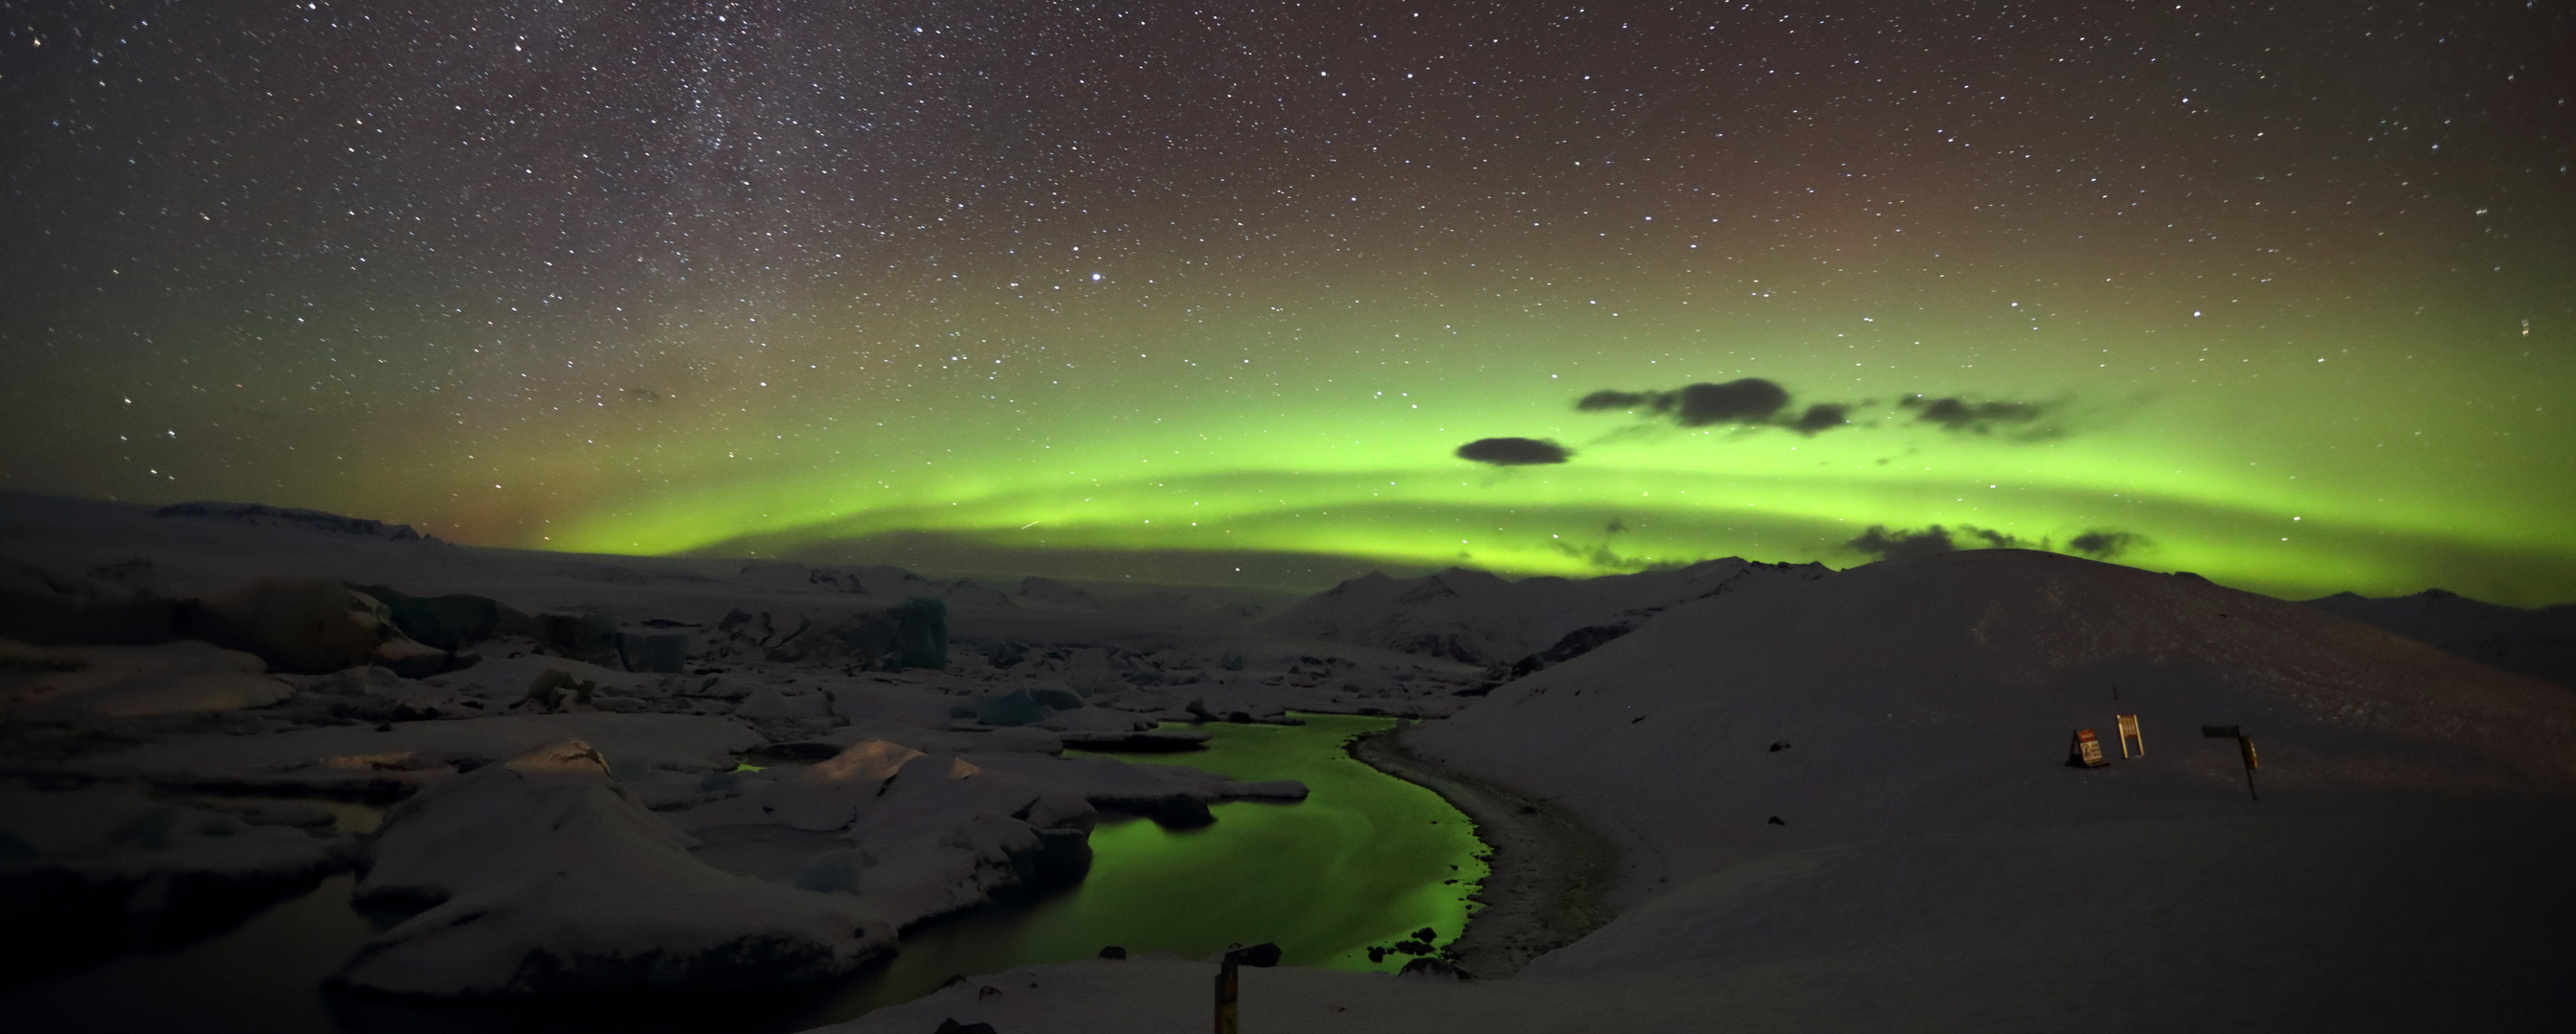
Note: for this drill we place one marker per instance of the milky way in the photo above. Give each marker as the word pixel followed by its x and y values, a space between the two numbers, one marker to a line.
pixel 1234 291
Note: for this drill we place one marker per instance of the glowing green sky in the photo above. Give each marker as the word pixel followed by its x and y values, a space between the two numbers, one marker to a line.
pixel 1176 295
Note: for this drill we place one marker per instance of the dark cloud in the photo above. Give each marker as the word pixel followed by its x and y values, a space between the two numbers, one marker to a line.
pixel 1608 399
pixel 1900 544
pixel 1994 539
pixel 1957 414
pixel 1823 416
pixel 1751 400
pixel 1608 559
pixel 2105 543
pixel 1756 402
pixel 1513 452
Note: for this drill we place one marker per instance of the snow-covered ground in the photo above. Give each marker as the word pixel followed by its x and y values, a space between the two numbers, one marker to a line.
pixel 1936 865
pixel 1819 800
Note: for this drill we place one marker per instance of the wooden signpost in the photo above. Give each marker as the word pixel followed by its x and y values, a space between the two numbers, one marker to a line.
pixel 2086 751
pixel 2129 734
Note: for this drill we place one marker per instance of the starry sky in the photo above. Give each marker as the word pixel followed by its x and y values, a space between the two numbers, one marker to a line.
pixel 1277 293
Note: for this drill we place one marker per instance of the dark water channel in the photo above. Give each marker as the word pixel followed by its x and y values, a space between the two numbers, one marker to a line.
pixel 1365 860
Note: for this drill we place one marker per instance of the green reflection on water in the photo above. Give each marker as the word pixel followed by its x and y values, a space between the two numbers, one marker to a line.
pixel 1361 861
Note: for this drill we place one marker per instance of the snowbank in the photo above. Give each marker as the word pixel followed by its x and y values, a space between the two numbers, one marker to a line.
pixel 542 874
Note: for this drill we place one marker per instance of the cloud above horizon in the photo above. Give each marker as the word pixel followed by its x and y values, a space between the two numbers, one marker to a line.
pixel 1514 452
pixel 1901 544
pixel 2106 543
pixel 1955 414
pixel 1748 400
pixel 1886 543
pixel 1760 402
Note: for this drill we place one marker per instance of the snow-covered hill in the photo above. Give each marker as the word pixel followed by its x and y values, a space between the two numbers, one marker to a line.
pixel 1480 618
pixel 1844 805
pixel 1941 693
pixel 2539 642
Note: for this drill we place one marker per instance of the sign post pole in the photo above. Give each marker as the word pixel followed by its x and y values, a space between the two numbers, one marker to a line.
pixel 2244 747
pixel 1227 984
pixel 2245 744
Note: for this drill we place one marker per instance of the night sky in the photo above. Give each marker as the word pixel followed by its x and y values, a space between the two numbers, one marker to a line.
pixel 2282 294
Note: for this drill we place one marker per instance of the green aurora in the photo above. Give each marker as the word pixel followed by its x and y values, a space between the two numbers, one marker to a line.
pixel 2290 307
pixel 2338 461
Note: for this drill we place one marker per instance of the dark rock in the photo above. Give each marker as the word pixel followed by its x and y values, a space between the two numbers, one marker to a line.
pixel 951 1026
pixel 1432 969
pixel 1778 821
pixel 1113 952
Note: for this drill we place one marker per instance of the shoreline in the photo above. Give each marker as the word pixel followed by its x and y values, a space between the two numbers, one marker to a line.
pixel 1548 876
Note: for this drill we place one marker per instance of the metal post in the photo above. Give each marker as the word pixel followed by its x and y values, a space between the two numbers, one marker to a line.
pixel 1226 987
pixel 1227 984
pixel 2245 744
